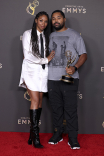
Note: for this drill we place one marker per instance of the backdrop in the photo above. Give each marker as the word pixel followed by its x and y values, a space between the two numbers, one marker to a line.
pixel 87 18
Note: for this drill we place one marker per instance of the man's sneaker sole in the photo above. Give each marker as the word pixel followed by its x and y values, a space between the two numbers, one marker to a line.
pixel 52 143
pixel 73 147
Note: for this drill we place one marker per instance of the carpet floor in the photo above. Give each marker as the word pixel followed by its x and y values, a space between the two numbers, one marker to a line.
pixel 15 144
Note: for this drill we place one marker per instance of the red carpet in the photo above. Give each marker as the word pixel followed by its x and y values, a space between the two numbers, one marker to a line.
pixel 15 144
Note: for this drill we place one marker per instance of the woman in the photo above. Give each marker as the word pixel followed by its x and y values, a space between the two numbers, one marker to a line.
pixel 35 70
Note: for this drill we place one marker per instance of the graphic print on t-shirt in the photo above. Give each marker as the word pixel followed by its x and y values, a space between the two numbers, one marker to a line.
pixel 59 45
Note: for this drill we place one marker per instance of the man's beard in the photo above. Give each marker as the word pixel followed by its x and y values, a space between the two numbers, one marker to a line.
pixel 59 27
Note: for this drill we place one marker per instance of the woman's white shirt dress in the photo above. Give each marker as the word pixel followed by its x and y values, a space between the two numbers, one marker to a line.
pixel 32 74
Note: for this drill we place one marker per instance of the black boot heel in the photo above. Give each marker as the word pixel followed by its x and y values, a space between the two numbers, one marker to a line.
pixel 36 144
pixel 32 143
pixel 29 141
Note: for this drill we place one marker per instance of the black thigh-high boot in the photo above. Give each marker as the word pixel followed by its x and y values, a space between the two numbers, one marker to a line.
pixel 34 128
pixel 39 114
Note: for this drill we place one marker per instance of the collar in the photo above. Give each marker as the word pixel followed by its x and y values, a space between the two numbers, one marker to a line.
pixel 38 33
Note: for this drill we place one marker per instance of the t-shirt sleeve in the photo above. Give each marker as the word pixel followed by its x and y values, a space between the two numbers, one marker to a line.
pixel 80 46
pixel 50 44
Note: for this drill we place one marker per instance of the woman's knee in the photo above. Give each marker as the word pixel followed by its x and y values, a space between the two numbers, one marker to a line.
pixel 34 103
pixel 35 100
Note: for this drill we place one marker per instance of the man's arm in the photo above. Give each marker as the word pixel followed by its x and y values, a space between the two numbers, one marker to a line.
pixel 79 63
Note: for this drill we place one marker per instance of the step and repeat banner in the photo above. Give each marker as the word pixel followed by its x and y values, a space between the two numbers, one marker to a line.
pixel 87 18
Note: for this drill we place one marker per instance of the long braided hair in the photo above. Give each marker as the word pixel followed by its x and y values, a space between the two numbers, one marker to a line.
pixel 34 37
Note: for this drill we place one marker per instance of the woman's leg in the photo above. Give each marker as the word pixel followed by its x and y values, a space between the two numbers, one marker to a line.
pixel 40 99
pixel 36 101
pixel 34 95
pixel 34 113
pixel 40 105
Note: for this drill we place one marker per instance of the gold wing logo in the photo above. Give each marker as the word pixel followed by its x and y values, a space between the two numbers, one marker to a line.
pixel 31 7
pixel 26 96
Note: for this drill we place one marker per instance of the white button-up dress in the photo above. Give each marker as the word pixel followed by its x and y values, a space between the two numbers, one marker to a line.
pixel 32 74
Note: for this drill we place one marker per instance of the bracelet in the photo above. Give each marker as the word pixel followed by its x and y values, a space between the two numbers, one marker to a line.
pixel 75 68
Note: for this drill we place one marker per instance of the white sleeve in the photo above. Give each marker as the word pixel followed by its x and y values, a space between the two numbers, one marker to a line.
pixel 28 54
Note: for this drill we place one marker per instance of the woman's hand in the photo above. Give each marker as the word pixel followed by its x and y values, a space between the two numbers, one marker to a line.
pixel 51 56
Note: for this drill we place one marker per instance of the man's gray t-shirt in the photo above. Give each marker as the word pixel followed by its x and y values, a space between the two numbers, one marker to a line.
pixel 70 42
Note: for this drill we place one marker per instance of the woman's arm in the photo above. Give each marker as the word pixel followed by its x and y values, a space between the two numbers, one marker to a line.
pixel 28 54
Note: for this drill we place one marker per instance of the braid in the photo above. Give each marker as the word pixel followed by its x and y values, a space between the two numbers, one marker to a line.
pixel 34 37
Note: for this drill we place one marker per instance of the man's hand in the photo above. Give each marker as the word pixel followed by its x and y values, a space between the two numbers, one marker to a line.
pixel 70 70
pixel 80 62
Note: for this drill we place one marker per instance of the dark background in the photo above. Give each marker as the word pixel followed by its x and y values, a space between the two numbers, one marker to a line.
pixel 14 20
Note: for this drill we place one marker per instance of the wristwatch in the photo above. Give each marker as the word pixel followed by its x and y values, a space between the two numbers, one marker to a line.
pixel 75 68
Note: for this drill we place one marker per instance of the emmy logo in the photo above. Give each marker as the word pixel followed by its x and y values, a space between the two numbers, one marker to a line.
pixel 71 59
pixel 74 9
pixel 26 121
pixel 31 7
pixel 0 65
pixel 26 96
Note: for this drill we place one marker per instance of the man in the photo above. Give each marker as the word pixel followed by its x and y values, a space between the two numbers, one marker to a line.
pixel 63 95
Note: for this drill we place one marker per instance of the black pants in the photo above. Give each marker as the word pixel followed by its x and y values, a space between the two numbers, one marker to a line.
pixel 63 100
